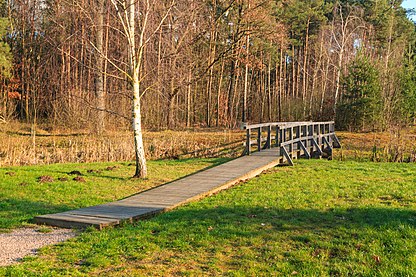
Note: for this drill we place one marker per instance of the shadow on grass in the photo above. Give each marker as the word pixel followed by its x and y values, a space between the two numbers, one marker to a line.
pixel 213 163
pixel 300 240
pixel 342 241
pixel 16 211
pixel 102 174
pixel 244 221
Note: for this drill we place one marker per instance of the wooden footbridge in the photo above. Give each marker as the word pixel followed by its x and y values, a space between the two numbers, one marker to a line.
pixel 266 146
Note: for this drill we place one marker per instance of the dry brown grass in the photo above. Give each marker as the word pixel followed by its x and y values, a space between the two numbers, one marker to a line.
pixel 396 145
pixel 18 145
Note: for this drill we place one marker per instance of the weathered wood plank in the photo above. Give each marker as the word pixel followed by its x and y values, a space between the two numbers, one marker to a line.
pixel 68 220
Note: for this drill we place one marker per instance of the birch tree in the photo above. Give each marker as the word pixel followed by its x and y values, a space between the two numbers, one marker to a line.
pixel 99 61
pixel 128 11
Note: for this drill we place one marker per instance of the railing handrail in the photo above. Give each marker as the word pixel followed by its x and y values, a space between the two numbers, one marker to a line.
pixel 246 126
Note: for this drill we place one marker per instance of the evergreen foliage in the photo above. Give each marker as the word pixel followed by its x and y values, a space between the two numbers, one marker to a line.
pixel 5 54
pixel 361 104
pixel 407 77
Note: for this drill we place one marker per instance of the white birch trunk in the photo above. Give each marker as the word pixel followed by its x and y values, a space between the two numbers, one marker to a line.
pixel 135 60
pixel 141 166
pixel 99 78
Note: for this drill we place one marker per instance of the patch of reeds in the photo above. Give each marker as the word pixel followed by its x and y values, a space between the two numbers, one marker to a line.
pixel 396 145
pixel 25 148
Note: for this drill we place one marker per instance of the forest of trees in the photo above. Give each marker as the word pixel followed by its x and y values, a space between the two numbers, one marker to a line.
pixel 213 63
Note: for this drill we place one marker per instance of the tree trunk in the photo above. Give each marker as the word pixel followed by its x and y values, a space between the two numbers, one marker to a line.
pixel 293 73
pixel 231 92
pixel 325 81
pixel 188 99
pixel 244 111
pixel 141 167
pixel 219 92
pixel 338 80
pixel 280 84
pixel 305 68
pixel 315 76
pixel 269 90
pixel 99 78
pixel 135 59
pixel 387 91
pixel 171 111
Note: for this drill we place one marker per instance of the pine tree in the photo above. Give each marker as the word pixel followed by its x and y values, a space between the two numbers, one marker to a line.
pixel 407 76
pixel 361 105
pixel 5 54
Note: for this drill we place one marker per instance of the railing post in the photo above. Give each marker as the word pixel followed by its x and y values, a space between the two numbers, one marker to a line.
pixel 298 137
pixel 310 134
pixel 283 138
pixel 318 133
pixel 248 141
pixel 291 144
pixel 269 137
pixel 259 139
pixel 328 133
pixel 277 136
pixel 304 135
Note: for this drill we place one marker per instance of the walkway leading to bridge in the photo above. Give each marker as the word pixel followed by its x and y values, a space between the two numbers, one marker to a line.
pixel 274 143
pixel 166 197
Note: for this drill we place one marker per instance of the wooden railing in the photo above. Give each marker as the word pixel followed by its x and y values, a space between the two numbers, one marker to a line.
pixel 295 139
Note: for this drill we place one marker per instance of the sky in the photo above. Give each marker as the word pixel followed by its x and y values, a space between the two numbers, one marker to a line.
pixel 410 4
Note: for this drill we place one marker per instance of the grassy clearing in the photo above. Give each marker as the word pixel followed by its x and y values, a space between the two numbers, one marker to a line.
pixel 319 218
pixel 32 190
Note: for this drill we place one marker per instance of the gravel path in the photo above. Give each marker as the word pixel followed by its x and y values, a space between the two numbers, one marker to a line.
pixel 22 242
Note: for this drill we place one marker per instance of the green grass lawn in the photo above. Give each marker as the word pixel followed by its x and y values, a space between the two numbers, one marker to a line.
pixel 24 195
pixel 319 218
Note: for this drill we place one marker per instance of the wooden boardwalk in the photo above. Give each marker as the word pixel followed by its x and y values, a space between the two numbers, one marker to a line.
pixel 290 141
pixel 168 196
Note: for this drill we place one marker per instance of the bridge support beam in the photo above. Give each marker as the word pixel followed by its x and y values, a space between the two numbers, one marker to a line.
pixel 316 145
pixel 285 154
pixel 305 150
